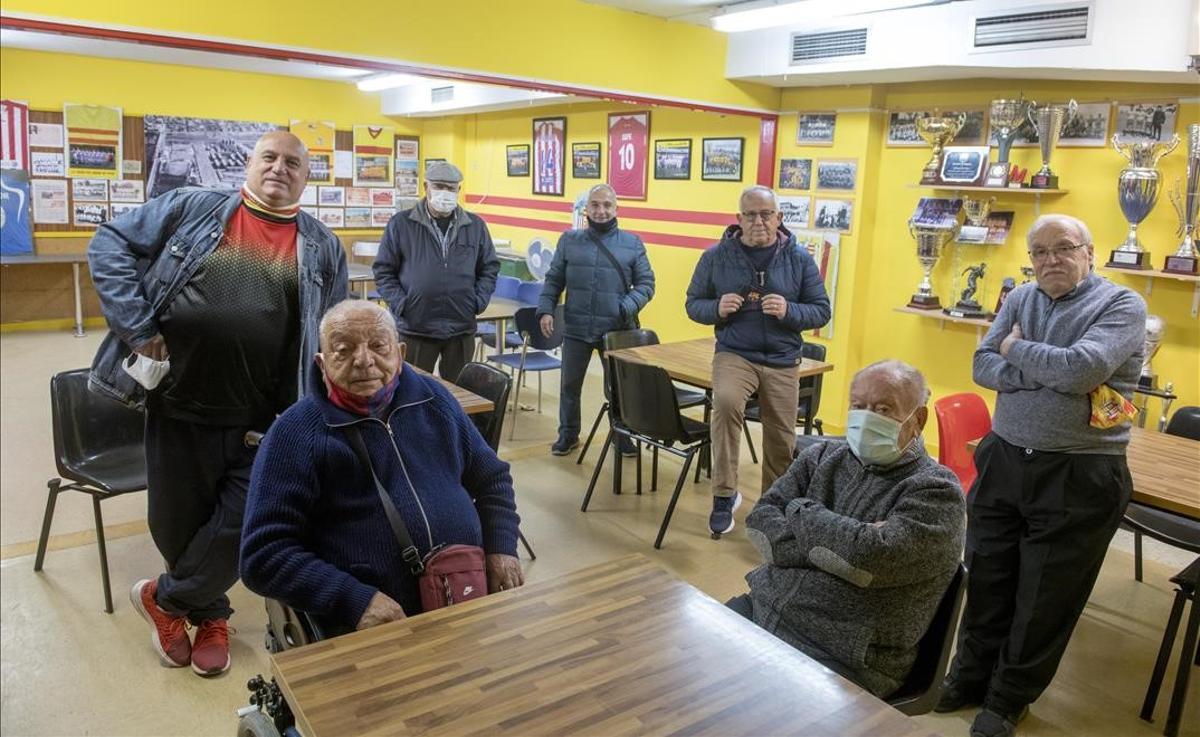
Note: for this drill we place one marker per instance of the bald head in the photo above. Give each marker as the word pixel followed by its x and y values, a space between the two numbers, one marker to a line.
pixel 360 348
pixel 277 170
pixel 601 205
pixel 903 383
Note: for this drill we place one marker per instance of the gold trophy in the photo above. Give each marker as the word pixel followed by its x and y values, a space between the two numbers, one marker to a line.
pixel 1137 193
pixel 977 210
pixel 937 130
pixel 1186 200
pixel 929 247
pixel 1049 121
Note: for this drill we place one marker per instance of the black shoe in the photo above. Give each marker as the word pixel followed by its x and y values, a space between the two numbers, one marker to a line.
pixel 564 446
pixel 990 723
pixel 956 696
pixel 627 447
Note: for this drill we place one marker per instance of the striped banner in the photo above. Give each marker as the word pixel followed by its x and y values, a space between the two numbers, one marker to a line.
pixel 14 135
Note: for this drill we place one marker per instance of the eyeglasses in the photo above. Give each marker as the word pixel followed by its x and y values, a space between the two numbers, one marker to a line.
pixel 1062 250
pixel 764 215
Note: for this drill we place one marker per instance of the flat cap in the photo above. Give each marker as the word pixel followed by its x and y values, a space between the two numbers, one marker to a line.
pixel 443 171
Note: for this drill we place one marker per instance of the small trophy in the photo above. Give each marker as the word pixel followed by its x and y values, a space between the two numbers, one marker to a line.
pixel 937 130
pixel 1048 121
pixel 929 247
pixel 967 305
pixel 977 210
pixel 1007 118
pixel 1026 274
pixel 1137 193
pixel 1155 326
pixel 1186 201
pixel 1006 286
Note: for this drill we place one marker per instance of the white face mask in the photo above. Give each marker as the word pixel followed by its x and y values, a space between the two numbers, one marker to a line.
pixel 146 371
pixel 873 437
pixel 443 200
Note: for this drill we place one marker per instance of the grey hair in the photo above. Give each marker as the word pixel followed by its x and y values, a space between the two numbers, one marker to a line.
pixel 1065 222
pixel 910 380
pixel 346 309
pixel 597 187
pixel 758 189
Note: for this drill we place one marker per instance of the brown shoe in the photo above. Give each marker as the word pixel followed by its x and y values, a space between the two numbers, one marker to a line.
pixel 169 638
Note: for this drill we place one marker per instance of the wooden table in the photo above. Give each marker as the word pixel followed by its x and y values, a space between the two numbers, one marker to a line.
pixel 360 274
pixel 621 648
pixel 471 402
pixel 74 259
pixel 500 310
pixel 690 361
pixel 1165 470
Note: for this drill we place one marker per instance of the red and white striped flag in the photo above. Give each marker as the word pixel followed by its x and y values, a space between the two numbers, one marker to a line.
pixel 14 135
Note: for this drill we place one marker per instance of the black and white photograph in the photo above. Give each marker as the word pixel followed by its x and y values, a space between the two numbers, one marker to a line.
pixel 198 152
pixel 902 126
pixel 833 215
pixel 1147 121
pixel 90 214
pixel 794 210
pixel 673 158
pixel 837 174
pixel 1089 127
pixel 795 173
pixel 936 212
pixel 89 190
pixel 722 160
pixel 815 129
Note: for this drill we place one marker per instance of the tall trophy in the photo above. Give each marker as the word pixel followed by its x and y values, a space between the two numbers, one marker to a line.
pixel 977 210
pixel 1049 121
pixel 929 247
pixel 1186 260
pixel 1155 326
pixel 1137 193
pixel 1007 118
pixel 937 130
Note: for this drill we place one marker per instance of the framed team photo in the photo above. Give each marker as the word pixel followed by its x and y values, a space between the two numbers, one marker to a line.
pixel 795 173
pixel 673 158
pixel 833 214
pixel 815 129
pixel 585 160
pixel 837 174
pixel 722 159
pixel 517 158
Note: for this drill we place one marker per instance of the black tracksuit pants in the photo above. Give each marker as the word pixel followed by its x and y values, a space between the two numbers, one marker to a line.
pixel 1038 527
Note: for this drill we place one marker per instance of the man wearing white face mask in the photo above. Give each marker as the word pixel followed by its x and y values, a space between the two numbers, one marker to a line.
pixel 437 270
pixel 859 538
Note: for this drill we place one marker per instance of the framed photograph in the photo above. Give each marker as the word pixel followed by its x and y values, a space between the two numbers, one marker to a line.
pixel 1147 121
pixel 722 159
pixel 549 155
pixel 628 154
pixel 833 215
pixel 380 216
pixel 795 173
pixel 794 210
pixel 974 127
pixel 90 214
pixel 332 217
pixel 815 129
pixel 127 190
pixel 585 160
pixel 358 196
pixel 357 217
pixel 673 158
pixel 837 174
pixel 89 190
pixel 383 197
pixel 902 126
pixel 1089 127
pixel 518 160
pixel 117 209
pixel 937 212
pixel 331 196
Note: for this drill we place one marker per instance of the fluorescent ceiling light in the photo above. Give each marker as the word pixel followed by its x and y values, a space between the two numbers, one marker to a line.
pixel 754 16
pixel 387 82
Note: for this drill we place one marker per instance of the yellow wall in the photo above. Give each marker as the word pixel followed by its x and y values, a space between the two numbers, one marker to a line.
pixel 564 41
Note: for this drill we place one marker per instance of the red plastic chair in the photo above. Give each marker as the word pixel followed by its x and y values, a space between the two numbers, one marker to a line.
pixel 961 418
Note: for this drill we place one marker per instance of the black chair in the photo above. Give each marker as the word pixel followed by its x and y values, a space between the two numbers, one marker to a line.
pixel 537 360
pixel 1187 581
pixel 809 402
pixel 649 413
pixel 922 689
pixel 616 340
pixel 807 441
pixel 490 383
pixel 1163 526
pixel 99 450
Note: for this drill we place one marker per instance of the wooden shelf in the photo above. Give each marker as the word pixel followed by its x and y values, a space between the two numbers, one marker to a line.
pixel 993 190
pixel 977 322
pixel 1151 274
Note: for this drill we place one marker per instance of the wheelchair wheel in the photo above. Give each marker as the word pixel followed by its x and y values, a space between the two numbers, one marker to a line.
pixel 256 724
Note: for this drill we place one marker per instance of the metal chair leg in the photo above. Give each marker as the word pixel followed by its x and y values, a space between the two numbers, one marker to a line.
pixel 516 407
pixel 749 441
pixel 1186 657
pixel 588 443
pixel 539 392
pixel 654 471
pixel 528 549
pixel 662 531
pixel 1137 555
pixel 108 605
pixel 638 445
pixel 1164 655
pixel 596 474
pixel 53 486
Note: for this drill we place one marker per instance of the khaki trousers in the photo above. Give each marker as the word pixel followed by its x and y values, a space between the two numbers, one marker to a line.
pixel 734 380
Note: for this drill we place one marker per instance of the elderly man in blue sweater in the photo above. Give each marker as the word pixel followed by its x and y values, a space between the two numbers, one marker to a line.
pixel 316 535
pixel 1053 482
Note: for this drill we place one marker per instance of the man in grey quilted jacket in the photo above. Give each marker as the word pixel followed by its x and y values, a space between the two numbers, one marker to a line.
pixel 859 537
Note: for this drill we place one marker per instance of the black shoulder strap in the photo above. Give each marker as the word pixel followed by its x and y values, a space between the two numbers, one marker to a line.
pixel 409 550
pixel 611 258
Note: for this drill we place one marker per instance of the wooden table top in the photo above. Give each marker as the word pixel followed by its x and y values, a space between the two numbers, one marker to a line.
pixel 501 308
pixel 1165 470
pixel 621 648
pixel 690 361
pixel 471 402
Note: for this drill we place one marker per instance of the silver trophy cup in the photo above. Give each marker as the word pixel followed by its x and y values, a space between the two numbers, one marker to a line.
pixel 1049 121
pixel 929 248
pixel 1137 193
pixel 1186 260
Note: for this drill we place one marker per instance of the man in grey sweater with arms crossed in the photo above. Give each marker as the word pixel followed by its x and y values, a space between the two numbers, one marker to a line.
pixel 1053 482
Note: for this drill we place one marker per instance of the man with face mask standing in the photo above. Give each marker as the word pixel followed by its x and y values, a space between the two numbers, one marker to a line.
pixel 1053 482
pixel 859 537
pixel 608 281
pixel 228 287
pixel 437 268
pixel 761 290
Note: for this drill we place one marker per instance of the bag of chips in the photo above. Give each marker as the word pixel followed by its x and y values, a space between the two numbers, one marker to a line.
pixel 1109 408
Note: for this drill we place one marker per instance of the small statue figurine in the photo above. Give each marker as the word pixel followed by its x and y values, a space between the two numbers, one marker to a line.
pixel 967 306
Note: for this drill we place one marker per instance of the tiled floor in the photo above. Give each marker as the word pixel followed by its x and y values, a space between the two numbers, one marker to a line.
pixel 68 668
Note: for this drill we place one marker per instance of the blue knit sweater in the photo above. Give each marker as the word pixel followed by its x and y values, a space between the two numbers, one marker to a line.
pixel 315 534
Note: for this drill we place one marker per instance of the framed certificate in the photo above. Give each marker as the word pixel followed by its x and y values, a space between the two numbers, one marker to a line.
pixel 965 165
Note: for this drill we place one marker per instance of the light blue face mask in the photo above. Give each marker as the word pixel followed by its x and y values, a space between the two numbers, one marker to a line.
pixel 875 439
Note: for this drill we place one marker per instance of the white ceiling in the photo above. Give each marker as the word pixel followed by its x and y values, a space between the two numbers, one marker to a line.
pixel 691 11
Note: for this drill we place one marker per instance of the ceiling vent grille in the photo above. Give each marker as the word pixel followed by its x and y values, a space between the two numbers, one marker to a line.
pixel 441 94
pixel 1046 26
pixel 810 47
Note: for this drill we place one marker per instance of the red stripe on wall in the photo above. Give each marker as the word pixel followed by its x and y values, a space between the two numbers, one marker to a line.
pixel 528 204
pixel 642 213
pixel 524 222
pixel 658 239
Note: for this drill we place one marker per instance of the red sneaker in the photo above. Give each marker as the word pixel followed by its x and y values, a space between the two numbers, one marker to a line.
pixel 210 651
pixel 169 637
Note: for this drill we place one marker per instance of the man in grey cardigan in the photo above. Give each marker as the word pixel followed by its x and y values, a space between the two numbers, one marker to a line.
pixel 1052 483
pixel 859 537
